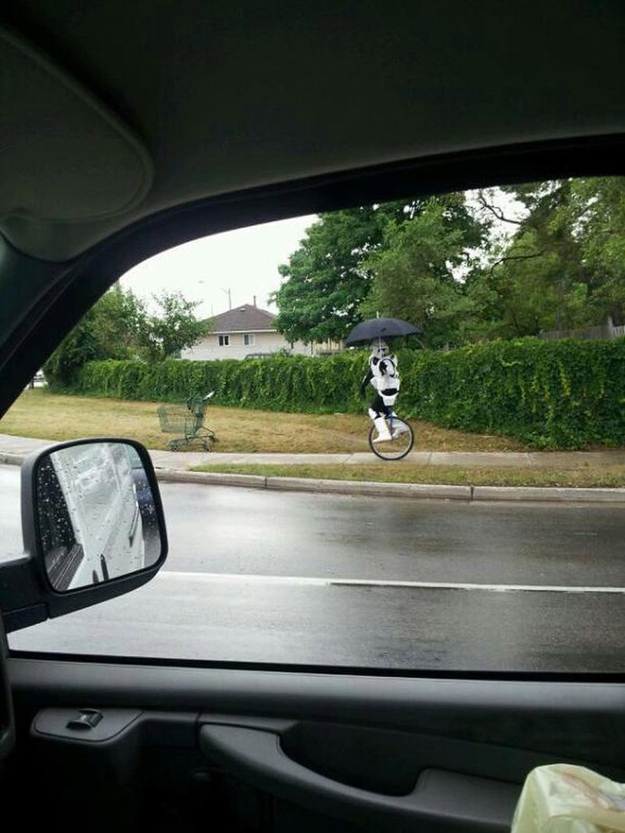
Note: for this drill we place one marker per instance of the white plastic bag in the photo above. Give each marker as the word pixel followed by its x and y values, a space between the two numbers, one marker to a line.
pixel 569 799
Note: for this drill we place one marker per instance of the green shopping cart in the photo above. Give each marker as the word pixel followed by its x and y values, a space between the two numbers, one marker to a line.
pixel 188 420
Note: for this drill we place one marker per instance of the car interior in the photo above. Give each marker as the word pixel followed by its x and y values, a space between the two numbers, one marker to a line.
pixel 132 127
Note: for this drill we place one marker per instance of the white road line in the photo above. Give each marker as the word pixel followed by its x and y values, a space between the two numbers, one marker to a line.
pixel 351 582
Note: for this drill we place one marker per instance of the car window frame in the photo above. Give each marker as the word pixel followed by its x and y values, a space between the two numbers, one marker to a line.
pixel 76 286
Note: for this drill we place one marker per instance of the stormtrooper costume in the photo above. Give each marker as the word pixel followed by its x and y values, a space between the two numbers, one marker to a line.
pixel 384 377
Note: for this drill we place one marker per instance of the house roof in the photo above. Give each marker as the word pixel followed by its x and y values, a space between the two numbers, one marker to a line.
pixel 246 318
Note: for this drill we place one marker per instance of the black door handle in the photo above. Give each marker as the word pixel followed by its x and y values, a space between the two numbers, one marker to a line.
pixel 441 802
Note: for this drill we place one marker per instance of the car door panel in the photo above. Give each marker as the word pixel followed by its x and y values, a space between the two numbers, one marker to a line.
pixel 268 750
pixel 442 800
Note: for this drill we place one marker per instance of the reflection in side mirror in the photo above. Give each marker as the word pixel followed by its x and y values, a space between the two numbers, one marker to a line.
pixel 96 514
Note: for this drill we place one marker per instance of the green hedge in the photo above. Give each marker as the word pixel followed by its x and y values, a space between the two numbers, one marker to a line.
pixel 278 383
pixel 561 394
pixel 554 394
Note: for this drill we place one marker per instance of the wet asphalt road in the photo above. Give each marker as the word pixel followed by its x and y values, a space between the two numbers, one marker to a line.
pixel 258 532
pixel 256 576
pixel 10 517
pixel 265 621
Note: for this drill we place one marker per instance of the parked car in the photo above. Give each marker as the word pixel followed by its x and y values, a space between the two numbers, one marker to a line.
pixel 145 501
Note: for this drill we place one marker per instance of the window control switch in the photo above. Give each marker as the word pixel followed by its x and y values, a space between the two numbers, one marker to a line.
pixel 87 719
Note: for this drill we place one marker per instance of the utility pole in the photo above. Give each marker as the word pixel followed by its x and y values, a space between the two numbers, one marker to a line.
pixel 229 294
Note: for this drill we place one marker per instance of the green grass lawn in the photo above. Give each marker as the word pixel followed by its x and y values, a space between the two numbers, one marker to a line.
pixel 38 413
pixel 584 476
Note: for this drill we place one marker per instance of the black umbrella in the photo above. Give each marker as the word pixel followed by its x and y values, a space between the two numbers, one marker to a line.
pixel 374 328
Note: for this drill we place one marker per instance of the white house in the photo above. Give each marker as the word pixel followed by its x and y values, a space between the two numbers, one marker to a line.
pixel 245 331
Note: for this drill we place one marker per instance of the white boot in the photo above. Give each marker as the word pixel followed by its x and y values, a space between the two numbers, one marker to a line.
pixel 383 432
pixel 398 427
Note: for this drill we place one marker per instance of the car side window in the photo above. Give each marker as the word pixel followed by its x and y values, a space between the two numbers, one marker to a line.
pixel 410 456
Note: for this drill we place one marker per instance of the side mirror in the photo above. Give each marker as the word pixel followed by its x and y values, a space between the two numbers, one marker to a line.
pixel 93 528
pixel 95 515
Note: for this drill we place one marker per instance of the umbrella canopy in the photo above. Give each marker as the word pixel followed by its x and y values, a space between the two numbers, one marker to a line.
pixel 374 328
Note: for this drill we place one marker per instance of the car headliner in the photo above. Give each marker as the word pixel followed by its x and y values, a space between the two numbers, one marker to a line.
pixel 227 96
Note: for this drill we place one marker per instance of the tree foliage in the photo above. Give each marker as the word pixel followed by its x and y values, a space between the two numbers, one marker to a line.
pixel 327 277
pixel 173 327
pixel 413 269
pixel 109 330
pixel 564 265
pixel 500 263
pixel 119 326
pixel 598 215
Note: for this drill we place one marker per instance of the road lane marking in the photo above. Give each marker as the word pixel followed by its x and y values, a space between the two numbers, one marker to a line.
pixel 316 581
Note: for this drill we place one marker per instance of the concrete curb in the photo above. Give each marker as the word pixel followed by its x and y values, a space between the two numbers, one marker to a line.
pixel 12 459
pixel 409 490
pixel 550 493
pixel 252 481
pixel 366 487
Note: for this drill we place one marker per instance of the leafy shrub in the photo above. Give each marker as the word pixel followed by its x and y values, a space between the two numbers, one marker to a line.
pixel 552 394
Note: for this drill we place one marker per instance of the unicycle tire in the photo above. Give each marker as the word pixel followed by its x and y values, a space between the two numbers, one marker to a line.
pixel 398 446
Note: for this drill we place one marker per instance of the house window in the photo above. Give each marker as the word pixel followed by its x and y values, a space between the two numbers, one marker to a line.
pixel 224 341
pixel 249 339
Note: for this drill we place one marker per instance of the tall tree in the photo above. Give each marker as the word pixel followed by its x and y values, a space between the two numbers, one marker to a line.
pixel 517 296
pixel 597 214
pixel 109 330
pixel 119 326
pixel 173 327
pixel 326 278
pixel 564 265
pixel 417 269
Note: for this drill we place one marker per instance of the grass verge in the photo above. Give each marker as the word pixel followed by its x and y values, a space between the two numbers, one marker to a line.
pixel 583 477
pixel 39 413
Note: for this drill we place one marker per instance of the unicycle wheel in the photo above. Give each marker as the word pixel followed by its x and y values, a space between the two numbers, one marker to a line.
pixel 400 444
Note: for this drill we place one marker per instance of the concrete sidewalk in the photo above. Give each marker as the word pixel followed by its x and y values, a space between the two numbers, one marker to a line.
pixel 174 467
pixel 515 459
pixel 19 447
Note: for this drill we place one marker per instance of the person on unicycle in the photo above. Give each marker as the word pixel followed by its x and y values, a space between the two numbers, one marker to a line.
pixel 384 377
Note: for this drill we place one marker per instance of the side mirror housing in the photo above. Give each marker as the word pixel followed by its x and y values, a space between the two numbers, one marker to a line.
pixel 93 528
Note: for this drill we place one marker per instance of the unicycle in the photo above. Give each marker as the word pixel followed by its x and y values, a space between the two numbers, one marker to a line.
pixel 400 444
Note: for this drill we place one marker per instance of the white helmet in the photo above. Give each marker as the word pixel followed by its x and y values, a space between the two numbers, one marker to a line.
pixel 379 348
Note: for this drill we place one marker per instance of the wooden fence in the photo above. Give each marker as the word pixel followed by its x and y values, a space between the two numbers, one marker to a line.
pixel 604 331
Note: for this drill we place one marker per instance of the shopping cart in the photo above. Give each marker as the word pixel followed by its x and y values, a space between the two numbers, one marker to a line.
pixel 188 420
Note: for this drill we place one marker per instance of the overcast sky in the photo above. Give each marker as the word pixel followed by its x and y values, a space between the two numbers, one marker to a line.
pixel 245 261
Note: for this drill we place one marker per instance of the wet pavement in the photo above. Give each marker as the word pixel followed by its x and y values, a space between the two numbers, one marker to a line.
pixel 257 576
pixel 10 513
pixel 245 531
pixel 265 621
pixel 218 529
